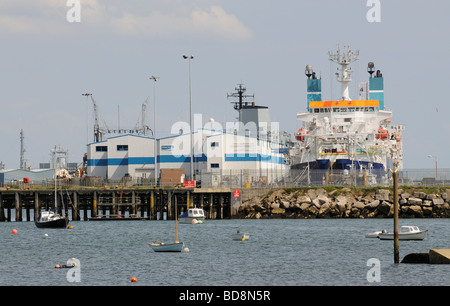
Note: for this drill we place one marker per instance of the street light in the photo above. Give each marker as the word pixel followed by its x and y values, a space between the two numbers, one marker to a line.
pixel 190 57
pixel 87 116
pixel 155 78
pixel 435 159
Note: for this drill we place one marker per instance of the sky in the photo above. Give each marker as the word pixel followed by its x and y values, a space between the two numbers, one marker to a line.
pixel 51 53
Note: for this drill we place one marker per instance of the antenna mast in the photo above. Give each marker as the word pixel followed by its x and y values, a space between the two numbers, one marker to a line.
pixel 240 94
pixel 344 58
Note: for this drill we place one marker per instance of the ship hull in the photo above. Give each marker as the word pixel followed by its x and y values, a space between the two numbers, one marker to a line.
pixel 340 164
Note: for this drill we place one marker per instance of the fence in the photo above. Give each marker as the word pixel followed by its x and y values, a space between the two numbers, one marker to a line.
pixel 243 178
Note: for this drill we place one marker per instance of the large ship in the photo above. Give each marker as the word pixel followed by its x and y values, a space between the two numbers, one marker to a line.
pixel 346 134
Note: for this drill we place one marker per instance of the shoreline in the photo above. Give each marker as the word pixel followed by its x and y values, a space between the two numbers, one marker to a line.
pixel 307 203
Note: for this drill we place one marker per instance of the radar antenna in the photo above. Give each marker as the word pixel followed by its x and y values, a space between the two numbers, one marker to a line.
pixel 239 94
pixel 344 58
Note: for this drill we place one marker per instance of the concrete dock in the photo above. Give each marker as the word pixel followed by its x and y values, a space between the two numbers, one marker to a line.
pixel 434 256
pixel 439 256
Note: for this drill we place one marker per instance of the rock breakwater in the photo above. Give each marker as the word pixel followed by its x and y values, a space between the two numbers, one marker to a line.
pixel 346 203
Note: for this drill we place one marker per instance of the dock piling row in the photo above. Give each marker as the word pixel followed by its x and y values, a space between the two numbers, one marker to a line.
pixel 150 204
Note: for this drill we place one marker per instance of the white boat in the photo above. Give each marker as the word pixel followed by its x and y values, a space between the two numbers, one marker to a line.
pixel 406 232
pixel 167 247
pixel 170 247
pixel 375 234
pixel 192 216
pixel 240 236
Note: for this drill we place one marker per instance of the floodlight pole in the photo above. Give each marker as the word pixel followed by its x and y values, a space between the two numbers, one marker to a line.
pixel 189 58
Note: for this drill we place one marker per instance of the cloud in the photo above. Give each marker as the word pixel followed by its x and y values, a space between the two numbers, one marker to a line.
pixel 101 17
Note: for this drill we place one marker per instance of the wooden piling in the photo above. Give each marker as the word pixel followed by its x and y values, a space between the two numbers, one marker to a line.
pixel 75 209
pixel 36 204
pixel 94 205
pixel 396 247
pixel 2 212
pixel 151 211
pixel 18 208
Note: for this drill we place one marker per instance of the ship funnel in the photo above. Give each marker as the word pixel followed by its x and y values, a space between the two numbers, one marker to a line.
pixel 314 87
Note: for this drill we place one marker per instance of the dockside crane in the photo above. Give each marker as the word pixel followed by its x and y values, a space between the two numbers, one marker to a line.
pixel 142 127
pixel 98 132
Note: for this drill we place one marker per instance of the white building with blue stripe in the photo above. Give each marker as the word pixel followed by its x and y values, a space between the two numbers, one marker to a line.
pixel 217 156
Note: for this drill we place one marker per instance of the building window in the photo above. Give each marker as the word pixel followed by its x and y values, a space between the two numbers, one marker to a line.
pixel 122 147
pixel 214 166
pixel 101 148
pixel 214 144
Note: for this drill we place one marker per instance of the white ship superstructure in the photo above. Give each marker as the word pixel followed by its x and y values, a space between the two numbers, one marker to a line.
pixel 344 133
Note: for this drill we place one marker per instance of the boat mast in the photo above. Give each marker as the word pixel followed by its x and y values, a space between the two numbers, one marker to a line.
pixel 54 166
pixel 344 58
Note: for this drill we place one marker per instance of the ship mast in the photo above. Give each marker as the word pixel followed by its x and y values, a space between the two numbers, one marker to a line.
pixel 344 58
pixel 240 93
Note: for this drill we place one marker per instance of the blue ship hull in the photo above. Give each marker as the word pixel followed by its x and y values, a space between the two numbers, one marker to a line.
pixel 341 164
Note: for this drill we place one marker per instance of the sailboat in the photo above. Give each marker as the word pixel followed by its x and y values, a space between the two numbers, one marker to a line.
pixel 169 247
pixel 50 218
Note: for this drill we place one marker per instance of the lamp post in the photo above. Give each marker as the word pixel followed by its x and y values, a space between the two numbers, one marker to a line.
pixel 155 153
pixel 87 116
pixel 189 58
pixel 435 160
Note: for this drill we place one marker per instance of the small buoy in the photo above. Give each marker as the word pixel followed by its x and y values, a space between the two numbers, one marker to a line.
pixel 133 279
pixel 58 267
pixel 14 231
pixel 70 226
pixel 45 235
pixel 186 250
pixel 194 221
pixel 243 239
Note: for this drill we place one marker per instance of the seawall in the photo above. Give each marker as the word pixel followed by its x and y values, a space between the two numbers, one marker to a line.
pixel 343 202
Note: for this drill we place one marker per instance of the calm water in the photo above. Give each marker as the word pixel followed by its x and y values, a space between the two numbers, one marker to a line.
pixel 279 252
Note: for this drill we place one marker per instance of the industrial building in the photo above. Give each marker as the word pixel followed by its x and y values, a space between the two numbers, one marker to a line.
pixel 216 154
pixel 251 150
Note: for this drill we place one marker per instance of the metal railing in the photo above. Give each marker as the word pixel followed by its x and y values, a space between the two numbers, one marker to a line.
pixel 243 178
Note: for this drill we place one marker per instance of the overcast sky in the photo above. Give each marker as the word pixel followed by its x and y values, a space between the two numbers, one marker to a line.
pixel 47 63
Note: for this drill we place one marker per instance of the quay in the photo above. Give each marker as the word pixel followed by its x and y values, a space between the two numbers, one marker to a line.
pixel 128 203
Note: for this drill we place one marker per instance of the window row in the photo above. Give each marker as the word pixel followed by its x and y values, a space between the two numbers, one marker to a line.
pixel 105 148
pixel 341 109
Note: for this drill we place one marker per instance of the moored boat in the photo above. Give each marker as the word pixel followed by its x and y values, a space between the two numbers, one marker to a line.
pixel 177 246
pixel 348 136
pixel 192 216
pixel 406 232
pixel 240 236
pixel 50 219
pixel 167 247
pixel 374 234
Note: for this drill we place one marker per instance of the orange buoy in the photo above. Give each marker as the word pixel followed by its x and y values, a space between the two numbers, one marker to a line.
pixel 14 231
pixel 134 280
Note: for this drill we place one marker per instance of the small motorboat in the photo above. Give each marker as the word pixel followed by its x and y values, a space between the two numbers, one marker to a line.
pixel 240 236
pixel 167 247
pixel 406 232
pixel 50 219
pixel 192 216
pixel 375 234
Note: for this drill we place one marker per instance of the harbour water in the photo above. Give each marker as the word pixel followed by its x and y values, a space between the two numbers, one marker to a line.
pixel 286 252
